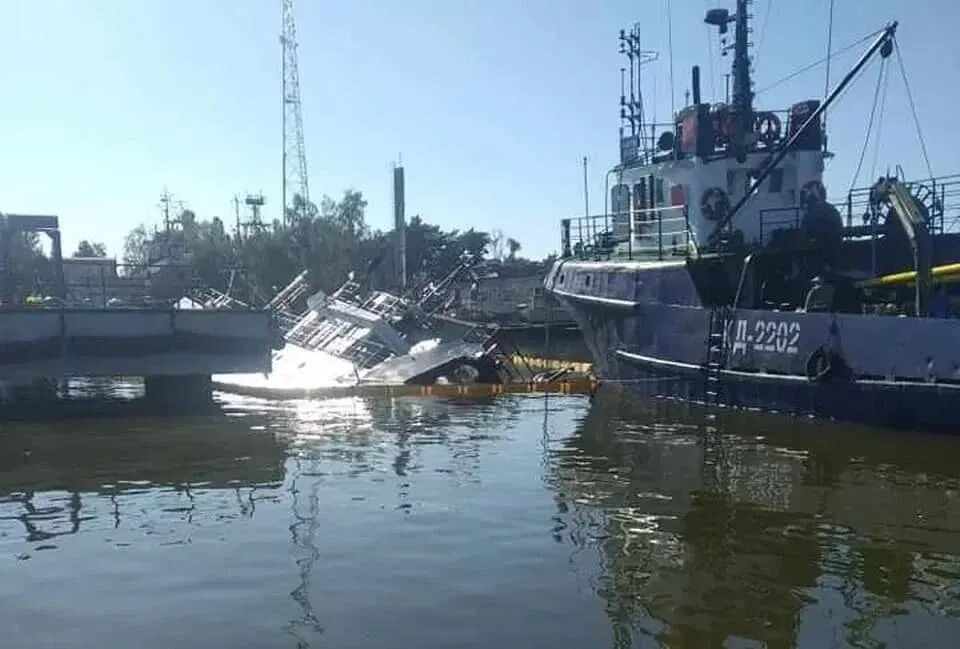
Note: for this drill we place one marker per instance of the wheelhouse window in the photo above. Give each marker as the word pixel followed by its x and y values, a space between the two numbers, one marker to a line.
pixel 620 209
pixel 640 199
pixel 620 199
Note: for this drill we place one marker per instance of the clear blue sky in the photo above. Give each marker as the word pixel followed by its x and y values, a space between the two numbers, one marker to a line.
pixel 492 103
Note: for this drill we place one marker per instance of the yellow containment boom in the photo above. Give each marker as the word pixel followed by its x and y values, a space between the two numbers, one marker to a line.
pixel 939 274
pixel 584 385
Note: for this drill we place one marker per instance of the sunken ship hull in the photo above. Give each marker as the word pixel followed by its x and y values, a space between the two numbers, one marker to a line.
pixel 648 331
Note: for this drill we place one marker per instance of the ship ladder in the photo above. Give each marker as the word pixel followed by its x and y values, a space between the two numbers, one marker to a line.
pixel 716 357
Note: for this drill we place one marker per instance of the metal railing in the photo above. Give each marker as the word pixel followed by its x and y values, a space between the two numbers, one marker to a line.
pixel 103 284
pixel 774 219
pixel 649 233
pixel 940 195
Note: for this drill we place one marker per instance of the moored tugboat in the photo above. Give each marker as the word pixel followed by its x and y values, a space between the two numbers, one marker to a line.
pixel 721 273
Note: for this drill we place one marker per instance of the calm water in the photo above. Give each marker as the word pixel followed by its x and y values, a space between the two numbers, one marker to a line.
pixel 516 521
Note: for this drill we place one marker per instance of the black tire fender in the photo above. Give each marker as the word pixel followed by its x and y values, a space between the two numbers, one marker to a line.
pixel 824 364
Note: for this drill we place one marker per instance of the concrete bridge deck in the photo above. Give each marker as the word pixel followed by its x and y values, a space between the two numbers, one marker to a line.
pixel 169 347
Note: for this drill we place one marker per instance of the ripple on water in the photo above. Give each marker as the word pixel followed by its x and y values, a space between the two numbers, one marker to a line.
pixel 445 522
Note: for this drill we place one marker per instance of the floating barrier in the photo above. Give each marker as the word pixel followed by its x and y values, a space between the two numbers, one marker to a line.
pixel 540 363
pixel 569 386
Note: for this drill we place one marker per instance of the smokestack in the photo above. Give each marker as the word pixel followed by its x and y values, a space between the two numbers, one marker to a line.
pixel 696 85
pixel 400 228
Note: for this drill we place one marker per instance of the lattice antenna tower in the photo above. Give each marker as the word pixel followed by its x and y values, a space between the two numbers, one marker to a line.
pixel 294 155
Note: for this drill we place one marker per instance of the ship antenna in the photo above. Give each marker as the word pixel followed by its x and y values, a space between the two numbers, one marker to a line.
pixel 742 91
pixel 631 111
pixel 742 102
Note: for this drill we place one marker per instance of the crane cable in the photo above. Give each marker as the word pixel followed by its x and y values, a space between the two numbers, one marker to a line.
pixel 873 112
pixel 823 60
pixel 913 108
pixel 878 140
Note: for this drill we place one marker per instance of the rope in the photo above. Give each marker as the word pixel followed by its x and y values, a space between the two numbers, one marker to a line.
pixel 913 108
pixel 873 112
pixel 820 62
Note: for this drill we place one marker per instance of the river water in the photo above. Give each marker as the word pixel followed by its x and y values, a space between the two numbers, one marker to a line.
pixel 511 521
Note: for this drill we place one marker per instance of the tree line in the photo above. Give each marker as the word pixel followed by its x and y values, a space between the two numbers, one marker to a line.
pixel 331 241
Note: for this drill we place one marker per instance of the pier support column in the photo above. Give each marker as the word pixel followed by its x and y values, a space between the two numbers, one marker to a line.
pixel 179 393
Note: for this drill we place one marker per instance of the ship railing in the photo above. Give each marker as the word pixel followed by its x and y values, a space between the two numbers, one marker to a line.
pixel 776 219
pixel 286 320
pixel 288 296
pixel 102 283
pixel 660 232
pixel 644 146
pixel 649 233
pixel 940 195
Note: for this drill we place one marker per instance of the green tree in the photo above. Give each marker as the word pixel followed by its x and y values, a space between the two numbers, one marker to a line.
pixel 27 270
pixel 136 247
pixel 88 249
pixel 513 247
pixel 330 241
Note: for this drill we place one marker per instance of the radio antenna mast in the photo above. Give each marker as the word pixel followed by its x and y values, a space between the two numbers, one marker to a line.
pixel 294 156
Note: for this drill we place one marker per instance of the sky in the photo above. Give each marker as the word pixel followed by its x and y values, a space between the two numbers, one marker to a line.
pixel 490 104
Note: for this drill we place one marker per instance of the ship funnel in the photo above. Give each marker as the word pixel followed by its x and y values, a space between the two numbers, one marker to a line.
pixel 695 84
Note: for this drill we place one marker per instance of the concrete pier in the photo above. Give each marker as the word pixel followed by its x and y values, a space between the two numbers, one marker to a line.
pixel 186 392
pixel 176 351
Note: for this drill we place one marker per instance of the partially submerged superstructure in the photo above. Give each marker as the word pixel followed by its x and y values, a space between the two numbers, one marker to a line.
pixel 379 337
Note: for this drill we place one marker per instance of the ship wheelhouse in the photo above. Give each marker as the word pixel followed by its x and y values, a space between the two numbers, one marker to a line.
pixel 666 201
pixel 736 193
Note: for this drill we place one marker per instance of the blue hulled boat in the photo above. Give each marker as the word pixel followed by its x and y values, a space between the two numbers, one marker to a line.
pixel 721 273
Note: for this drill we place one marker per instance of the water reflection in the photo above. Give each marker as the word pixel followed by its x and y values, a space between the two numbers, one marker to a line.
pixel 517 520
pixel 56 478
pixel 777 531
pixel 347 439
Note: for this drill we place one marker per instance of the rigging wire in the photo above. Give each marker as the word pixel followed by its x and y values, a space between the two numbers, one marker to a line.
pixel 670 48
pixel 873 113
pixel 763 34
pixel 826 81
pixel 880 114
pixel 811 66
pixel 709 33
pixel 913 108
